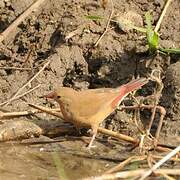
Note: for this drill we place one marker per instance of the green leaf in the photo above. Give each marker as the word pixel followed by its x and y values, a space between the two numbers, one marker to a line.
pixel 148 20
pixel 170 51
pixel 94 17
pixel 153 41
pixel 152 36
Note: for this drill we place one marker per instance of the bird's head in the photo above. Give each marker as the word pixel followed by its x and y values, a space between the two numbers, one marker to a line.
pixel 61 95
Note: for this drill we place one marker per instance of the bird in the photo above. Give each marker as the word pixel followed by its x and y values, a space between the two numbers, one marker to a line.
pixel 88 108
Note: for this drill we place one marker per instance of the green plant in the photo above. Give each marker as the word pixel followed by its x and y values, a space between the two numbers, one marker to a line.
pixel 151 35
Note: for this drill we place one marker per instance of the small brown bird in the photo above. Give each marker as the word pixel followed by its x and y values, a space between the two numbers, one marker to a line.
pixel 88 108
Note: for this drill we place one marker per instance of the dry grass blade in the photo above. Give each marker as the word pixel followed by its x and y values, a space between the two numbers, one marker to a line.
pixel 21 95
pixel 124 163
pixel 133 173
pixel 123 174
pixel 107 25
pixel 27 92
pixel 162 15
pixel 21 18
pixel 15 68
pixel 159 163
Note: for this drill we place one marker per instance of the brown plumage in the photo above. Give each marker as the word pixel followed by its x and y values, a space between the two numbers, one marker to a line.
pixel 90 107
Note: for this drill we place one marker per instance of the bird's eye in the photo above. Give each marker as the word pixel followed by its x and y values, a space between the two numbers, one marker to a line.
pixel 58 96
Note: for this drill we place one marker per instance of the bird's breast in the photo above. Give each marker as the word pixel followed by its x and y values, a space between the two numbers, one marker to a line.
pixel 66 111
pixel 72 115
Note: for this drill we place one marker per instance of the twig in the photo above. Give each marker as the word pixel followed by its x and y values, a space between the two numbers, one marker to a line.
pixel 133 159
pixel 21 18
pixel 132 173
pixel 159 163
pixel 21 95
pixel 124 163
pixel 162 15
pixel 160 108
pixel 35 76
pixel 47 110
pixel 74 33
pixel 158 94
pixel 14 68
pixel 163 113
pixel 162 149
pixel 107 25
pixel 118 135
pixel 7 115
pixel 27 92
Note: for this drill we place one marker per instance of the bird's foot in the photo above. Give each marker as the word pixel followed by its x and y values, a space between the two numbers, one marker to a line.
pixel 90 146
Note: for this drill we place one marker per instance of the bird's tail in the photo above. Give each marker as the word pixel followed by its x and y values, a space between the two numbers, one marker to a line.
pixel 135 84
pixel 124 90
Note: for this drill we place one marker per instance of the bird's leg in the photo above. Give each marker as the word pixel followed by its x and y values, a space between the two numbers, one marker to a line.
pixel 94 132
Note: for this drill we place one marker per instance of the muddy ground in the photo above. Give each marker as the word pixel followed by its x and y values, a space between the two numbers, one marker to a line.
pixel 74 62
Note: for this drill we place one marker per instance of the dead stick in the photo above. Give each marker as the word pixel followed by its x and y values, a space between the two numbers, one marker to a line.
pixel 152 118
pixel 160 148
pixel 7 115
pixel 47 110
pixel 118 135
pixel 132 173
pixel 163 113
pixel 21 18
pixel 161 162
pixel 162 15
pixel 27 92
pixel 124 163
pixel 160 157
pixel 21 95
pixel 161 110
pixel 14 68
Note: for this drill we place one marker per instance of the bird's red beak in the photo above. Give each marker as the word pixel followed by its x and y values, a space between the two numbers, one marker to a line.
pixel 51 95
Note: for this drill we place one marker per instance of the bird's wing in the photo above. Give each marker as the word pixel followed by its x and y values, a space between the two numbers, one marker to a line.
pixel 90 102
